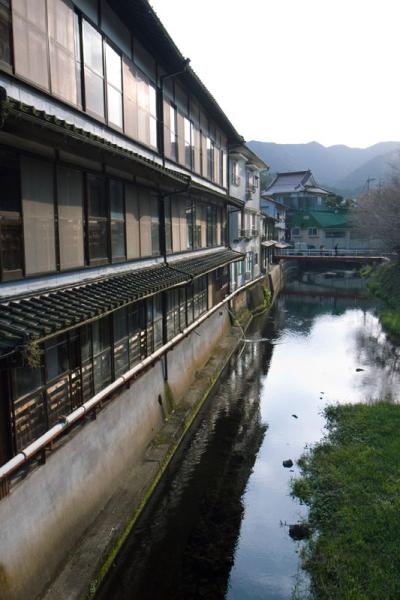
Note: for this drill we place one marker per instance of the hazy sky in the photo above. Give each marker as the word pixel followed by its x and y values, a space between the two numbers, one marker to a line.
pixel 293 71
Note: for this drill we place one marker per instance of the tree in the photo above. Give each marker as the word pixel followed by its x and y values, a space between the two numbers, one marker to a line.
pixel 377 214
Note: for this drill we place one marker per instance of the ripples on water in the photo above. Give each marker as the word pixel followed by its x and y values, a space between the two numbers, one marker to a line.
pixel 216 528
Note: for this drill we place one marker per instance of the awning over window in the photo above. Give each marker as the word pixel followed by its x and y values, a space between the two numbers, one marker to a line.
pixel 269 243
pixel 43 315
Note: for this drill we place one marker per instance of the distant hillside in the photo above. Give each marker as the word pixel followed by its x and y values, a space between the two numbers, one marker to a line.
pixel 343 169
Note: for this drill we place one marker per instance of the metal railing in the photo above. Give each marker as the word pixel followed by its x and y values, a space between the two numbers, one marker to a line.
pixel 328 252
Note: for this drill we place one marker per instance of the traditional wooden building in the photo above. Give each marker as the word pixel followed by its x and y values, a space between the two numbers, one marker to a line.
pixel 113 202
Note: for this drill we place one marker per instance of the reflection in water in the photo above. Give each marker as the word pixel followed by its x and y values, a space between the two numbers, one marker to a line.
pixel 217 526
pixel 184 545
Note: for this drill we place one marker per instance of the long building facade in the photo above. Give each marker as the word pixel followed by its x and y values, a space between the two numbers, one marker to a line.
pixel 113 178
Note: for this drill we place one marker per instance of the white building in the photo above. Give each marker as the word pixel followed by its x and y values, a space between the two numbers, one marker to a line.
pixel 245 223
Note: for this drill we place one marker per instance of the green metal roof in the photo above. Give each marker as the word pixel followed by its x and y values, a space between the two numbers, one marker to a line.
pixel 324 219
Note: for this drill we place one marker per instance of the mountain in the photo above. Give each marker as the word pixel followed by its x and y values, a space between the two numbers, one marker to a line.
pixel 340 168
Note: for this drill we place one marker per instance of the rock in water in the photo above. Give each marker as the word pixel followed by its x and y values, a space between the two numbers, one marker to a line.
pixel 299 531
pixel 288 463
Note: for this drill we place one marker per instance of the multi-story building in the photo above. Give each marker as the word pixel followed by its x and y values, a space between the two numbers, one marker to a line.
pixel 245 222
pixel 113 178
pixel 113 227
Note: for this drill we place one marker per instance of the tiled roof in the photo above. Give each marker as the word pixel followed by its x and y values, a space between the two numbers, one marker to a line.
pixel 43 315
pixel 11 108
pixel 290 182
pixel 47 314
pixel 199 265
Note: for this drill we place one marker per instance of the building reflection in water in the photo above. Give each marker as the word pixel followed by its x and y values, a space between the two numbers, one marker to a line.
pixel 184 545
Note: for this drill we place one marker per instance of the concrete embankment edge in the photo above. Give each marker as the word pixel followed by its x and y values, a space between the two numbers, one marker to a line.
pixel 259 302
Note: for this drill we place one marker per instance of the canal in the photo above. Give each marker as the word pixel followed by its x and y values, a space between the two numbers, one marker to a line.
pixel 218 525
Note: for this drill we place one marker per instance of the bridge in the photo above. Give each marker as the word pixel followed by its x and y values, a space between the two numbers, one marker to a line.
pixel 331 256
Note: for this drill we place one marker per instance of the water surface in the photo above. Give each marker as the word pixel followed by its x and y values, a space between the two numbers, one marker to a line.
pixel 218 526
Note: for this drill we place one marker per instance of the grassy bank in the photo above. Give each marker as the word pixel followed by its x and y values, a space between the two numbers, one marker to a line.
pixel 384 283
pixel 351 483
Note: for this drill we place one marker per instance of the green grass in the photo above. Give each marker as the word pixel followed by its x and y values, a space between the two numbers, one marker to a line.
pixel 384 284
pixel 351 483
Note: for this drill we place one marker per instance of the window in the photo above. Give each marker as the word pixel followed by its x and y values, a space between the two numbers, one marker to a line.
pixel 117 219
pixel 121 341
pixel 147 111
pixel 114 87
pixel 30 41
pixel 335 233
pixel 37 187
pixel 30 419
pixel 210 159
pixel 235 173
pixel 5 34
pixel 101 354
pixel 189 144
pixel 132 221
pixel 70 217
pixel 189 222
pixel 93 69
pixel 64 51
pixel 312 231
pixel 221 167
pixel 97 220
pixel 11 244
pixel 155 227
pixel 173 132
pixel 296 231
pixel 168 224
pixel 211 225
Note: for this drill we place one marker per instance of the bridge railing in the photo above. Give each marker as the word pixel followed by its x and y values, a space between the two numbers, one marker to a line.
pixel 326 252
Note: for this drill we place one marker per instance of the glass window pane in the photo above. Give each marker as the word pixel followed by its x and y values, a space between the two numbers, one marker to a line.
pixel 116 199
pixel 5 27
pixel 94 93
pixel 26 380
pixel 92 48
pixel 114 106
pixel 57 360
pixel 118 239
pixel 97 206
pixel 113 66
pixel 98 240
pixel 38 215
pixel 70 217
pixel 120 318
pixel 101 335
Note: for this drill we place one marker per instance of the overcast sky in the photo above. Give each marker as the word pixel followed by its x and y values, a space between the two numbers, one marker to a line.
pixel 293 71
